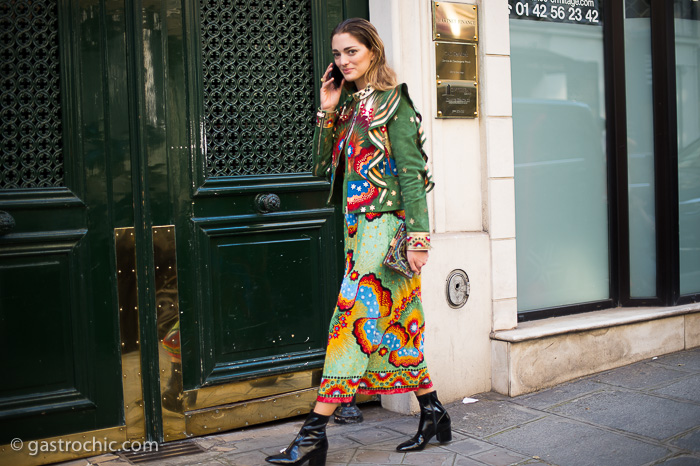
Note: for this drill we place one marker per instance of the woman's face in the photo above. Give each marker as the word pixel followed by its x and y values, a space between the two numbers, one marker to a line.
pixel 352 57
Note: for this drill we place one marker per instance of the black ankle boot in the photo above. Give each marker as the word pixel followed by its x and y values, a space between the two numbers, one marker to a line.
pixel 348 413
pixel 434 422
pixel 310 444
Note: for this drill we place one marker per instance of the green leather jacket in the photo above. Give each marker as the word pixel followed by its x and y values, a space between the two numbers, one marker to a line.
pixel 374 141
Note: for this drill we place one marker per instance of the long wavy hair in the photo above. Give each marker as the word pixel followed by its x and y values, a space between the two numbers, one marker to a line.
pixel 379 75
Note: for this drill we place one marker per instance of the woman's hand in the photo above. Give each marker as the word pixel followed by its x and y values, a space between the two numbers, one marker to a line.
pixel 330 95
pixel 417 259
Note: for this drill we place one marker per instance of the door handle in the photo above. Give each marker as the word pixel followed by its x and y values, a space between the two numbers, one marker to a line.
pixel 7 222
pixel 266 203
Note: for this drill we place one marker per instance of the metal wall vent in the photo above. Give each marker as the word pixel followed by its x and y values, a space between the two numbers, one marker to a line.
pixel 457 288
pixel 165 451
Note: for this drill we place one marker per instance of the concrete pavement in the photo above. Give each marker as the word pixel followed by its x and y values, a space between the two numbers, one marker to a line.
pixel 647 413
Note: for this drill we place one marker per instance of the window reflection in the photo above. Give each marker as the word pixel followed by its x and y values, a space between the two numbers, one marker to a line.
pixel 560 164
pixel 640 149
pixel 687 30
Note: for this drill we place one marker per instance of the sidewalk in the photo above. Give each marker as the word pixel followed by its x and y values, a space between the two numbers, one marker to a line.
pixel 647 413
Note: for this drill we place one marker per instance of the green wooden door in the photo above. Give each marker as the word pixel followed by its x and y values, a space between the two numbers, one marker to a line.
pixel 263 270
pixel 64 187
pixel 127 121
pixel 227 113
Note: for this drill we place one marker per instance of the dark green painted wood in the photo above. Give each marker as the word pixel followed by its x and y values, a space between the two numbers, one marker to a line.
pixel 131 99
pixel 356 8
pixel 217 215
pixel 145 80
pixel 266 290
pixel 58 309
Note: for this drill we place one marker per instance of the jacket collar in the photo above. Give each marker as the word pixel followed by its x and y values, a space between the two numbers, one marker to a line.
pixel 363 94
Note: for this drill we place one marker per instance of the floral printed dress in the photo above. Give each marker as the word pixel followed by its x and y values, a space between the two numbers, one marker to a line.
pixel 373 146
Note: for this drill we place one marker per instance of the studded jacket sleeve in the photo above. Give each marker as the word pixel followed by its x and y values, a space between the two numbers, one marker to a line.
pixel 405 144
pixel 323 142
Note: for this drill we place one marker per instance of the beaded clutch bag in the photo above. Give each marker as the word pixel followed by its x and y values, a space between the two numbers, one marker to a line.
pixel 396 258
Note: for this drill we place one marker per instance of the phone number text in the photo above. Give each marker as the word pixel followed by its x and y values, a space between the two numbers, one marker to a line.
pixel 560 11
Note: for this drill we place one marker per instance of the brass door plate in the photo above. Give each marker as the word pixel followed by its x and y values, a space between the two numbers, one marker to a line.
pixel 457 99
pixel 455 61
pixel 237 415
pixel 129 329
pixel 455 22
pixel 216 395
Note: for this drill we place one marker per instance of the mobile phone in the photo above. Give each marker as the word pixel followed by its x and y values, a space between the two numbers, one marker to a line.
pixel 336 75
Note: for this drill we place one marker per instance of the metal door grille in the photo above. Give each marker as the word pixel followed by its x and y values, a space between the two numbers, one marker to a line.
pixel 257 61
pixel 30 120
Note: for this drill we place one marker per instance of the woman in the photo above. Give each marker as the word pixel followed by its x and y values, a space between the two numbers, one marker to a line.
pixel 371 146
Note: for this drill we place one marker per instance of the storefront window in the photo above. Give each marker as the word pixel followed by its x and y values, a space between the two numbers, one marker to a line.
pixel 687 30
pixel 640 149
pixel 560 157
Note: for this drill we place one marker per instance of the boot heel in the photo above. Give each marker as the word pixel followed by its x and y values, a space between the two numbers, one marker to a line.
pixel 318 460
pixel 444 436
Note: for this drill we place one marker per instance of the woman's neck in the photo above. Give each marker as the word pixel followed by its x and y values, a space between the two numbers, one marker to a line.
pixel 360 83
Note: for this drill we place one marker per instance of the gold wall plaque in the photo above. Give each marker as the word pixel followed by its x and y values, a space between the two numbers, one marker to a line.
pixel 455 22
pixel 455 61
pixel 456 99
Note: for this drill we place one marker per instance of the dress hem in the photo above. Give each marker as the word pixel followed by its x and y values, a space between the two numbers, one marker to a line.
pixel 373 391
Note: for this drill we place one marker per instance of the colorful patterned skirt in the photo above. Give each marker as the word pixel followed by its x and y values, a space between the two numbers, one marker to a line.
pixel 375 342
